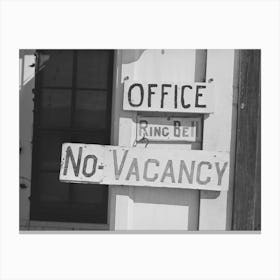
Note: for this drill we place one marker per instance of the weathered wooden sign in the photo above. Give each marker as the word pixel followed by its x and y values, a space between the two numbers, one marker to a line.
pixel 168 97
pixel 168 129
pixel 138 166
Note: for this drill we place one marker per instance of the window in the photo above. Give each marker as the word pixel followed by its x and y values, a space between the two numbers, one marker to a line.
pixel 72 103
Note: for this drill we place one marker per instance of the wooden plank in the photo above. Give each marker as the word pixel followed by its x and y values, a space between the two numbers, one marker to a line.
pixel 215 207
pixel 168 96
pixel 247 189
pixel 123 126
pixel 138 166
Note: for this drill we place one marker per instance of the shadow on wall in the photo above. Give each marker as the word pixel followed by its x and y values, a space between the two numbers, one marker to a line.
pixel 131 56
pixel 26 84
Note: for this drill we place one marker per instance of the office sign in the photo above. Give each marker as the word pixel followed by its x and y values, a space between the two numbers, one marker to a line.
pixel 168 97
pixel 168 129
pixel 138 166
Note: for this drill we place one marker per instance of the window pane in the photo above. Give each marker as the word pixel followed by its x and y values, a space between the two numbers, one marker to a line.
pixel 88 213
pixel 56 68
pixel 97 137
pixel 93 69
pixel 90 111
pixel 51 189
pixel 55 108
pixel 89 193
pixel 50 150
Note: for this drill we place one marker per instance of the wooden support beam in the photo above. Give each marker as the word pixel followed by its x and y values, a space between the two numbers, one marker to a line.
pixel 247 187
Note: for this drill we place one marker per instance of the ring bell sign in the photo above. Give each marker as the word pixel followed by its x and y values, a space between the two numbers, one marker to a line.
pixel 168 97
pixel 137 166
pixel 168 129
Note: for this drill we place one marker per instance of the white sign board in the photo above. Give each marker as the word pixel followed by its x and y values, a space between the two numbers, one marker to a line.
pixel 168 129
pixel 168 97
pixel 138 166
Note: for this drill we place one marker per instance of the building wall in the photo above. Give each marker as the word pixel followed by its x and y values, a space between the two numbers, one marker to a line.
pixel 143 208
pixel 150 208
pixel 219 134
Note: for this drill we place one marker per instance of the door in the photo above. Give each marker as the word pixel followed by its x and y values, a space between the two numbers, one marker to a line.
pixel 72 103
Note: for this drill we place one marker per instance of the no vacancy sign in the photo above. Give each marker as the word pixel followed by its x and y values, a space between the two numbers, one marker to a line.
pixel 139 166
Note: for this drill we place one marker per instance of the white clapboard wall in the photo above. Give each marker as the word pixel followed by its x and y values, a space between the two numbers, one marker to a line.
pixel 134 207
pixel 150 208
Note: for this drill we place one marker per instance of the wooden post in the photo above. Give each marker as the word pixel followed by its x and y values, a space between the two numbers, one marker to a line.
pixel 247 189
pixel 219 135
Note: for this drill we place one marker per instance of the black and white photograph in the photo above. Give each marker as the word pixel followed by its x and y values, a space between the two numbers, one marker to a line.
pixel 140 139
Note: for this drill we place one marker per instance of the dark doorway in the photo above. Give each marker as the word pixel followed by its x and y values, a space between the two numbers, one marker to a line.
pixel 72 103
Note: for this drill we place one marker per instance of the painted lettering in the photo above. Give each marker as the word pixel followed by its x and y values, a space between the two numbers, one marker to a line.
pixel 192 127
pixel 76 165
pixel 143 126
pixel 150 92
pixel 157 131
pixel 186 131
pixel 133 170
pixel 141 90
pixel 165 131
pixel 198 173
pixel 94 158
pixel 197 95
pixel 176 126
pixel 175 97
pixel 220 172
pixel 168 172
pixel 145 176
pixel 166 96
pixel 139 166
pixel 163 93
pixel 189 174
pixel 184 105
pixel 118 170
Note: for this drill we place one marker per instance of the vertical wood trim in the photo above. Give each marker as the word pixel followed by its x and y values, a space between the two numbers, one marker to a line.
pixel 247 191
pixel 200 76
pixel 114 132
pixel 120 197
pixel 219 135
pixel 26 119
